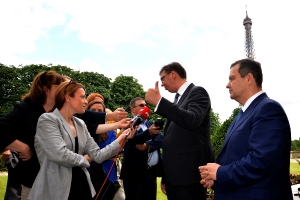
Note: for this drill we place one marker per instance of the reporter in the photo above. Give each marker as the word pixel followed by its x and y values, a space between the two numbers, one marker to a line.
pixel 18 127
pixel 60 142
pixel 99 172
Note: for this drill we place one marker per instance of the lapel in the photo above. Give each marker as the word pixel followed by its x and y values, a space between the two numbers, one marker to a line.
pixel 80 135
pixel 244 116
pixel 67 128
pixel 183 96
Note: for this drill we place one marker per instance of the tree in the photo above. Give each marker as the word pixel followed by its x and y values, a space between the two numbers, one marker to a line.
pixel 215 121
pixel 28 72
pixel 11 87
pixel 95 83
pixel 219 134
pixel 123 89
pixel 295 145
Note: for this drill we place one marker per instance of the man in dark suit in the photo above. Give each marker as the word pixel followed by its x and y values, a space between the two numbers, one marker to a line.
pixel 141 156
pixel 254 161
pixel 186 141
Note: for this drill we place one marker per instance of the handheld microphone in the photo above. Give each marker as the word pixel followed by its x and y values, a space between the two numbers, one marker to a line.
pixel 143 114
pixel 127 109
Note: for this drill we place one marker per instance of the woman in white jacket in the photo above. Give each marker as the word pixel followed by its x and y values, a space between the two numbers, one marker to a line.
pixel 61 141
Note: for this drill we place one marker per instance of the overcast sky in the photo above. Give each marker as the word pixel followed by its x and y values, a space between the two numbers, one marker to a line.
pixel 137 38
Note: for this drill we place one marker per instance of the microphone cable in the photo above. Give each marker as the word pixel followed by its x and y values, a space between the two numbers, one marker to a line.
pixel 119 150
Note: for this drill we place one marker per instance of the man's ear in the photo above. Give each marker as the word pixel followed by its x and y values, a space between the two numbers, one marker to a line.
pixel 249 78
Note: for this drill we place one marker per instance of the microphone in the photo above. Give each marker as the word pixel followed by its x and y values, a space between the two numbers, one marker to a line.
pixel 143 114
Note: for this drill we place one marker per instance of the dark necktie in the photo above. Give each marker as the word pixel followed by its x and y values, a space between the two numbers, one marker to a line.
pixel 176 98
pixel 239 116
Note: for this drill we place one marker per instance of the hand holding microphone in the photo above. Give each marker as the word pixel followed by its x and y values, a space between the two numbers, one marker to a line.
pixel 117 115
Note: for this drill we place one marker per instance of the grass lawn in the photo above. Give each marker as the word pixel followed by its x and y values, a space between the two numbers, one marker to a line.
pixel 3 180
pixel 160 195
pixel 294 169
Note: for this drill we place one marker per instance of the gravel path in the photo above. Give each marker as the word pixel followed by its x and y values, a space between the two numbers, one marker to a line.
pixel 3 173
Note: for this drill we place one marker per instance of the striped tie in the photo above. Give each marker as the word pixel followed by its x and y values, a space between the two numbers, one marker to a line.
pixel 176 98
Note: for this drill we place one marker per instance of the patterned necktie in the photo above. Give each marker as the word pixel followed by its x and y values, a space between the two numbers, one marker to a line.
pixel 176 98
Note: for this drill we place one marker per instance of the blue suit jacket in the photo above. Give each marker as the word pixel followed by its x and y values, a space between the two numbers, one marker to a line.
pixel 255 157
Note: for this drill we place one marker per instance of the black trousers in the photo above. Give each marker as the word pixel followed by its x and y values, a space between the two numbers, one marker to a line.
pixel 79 186
pixel 98 177
pixel 185 192
pixel 141 187
pixel 13 186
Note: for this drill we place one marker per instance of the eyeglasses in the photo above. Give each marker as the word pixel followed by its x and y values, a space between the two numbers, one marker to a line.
pixel 71 82
pixel 140 105
pixel 163 77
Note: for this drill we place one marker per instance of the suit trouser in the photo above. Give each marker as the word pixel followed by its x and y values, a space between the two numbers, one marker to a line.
pixel 185 192
pixel 141 187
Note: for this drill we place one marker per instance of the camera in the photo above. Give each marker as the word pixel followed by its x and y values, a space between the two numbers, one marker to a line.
pixel 159 123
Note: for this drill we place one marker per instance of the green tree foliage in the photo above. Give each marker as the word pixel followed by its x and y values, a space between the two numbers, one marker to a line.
pixel 15 82
pixel 64 70
pixel 219 133
pixel 28 72
pixel 11 87
pixel 123 89
pixel 95 83
pixel 295 145
pixel 215 121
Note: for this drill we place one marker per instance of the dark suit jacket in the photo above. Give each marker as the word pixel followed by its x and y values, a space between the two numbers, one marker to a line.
pixel 135 161
pixel 255 157
pixel 186 143
pixel 20 123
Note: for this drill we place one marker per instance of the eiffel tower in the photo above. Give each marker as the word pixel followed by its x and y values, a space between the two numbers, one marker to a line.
pixel 249 44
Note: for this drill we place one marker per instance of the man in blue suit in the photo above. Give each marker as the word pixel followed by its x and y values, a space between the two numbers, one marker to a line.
pixel 254 161
pixel 141 156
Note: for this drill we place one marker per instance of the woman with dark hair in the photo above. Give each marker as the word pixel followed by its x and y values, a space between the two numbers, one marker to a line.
pixel 18 127
pixel 61 141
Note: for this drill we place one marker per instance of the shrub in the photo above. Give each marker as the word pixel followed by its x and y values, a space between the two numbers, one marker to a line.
pixel 294 179
pixel 2 165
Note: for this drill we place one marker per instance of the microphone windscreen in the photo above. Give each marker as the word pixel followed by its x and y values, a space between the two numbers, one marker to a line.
pixel 145 112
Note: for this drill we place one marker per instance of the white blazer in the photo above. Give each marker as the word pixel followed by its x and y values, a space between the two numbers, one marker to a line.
pixel 55 146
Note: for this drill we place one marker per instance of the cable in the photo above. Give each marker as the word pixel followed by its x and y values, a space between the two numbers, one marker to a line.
pixel 121 147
